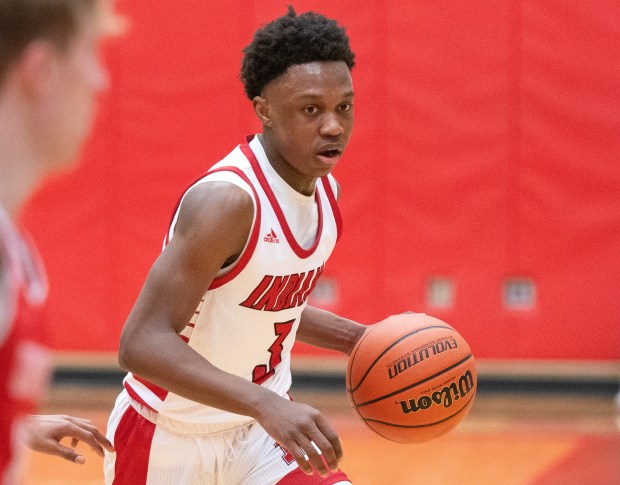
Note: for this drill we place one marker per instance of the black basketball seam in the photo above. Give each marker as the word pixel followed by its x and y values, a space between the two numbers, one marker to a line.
pixel 357 347
pixel 410 426
pixel 416 383
pixel 392 345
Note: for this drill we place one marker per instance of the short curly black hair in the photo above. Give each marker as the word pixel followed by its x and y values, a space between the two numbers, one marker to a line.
pixel 289 40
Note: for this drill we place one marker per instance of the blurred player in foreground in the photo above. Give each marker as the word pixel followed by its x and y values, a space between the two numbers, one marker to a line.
pixel 50 78
pixel 208 342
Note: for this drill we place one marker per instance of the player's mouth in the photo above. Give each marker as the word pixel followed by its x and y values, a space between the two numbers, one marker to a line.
pixel 330 156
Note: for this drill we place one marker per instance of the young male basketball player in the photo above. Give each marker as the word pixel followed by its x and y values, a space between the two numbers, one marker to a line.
pixel 208 342
pixel 50 76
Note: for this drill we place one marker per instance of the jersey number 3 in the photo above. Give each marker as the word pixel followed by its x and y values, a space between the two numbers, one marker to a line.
pixel 263 372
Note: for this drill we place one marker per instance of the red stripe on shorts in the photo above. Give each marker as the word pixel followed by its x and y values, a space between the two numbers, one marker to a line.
pixel 132 441
pixel 298 477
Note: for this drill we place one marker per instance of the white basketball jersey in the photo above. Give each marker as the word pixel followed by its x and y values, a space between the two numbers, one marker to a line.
pixel 247 320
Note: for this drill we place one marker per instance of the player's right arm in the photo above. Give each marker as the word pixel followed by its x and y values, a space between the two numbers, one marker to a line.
pixel 214 223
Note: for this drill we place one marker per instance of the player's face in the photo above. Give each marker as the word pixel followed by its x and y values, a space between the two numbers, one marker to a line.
pixel 309 120
pixel 77 78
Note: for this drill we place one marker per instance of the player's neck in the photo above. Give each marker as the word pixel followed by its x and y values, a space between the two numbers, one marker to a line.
pixel 297 181
pixel 19 165
pixel 16 184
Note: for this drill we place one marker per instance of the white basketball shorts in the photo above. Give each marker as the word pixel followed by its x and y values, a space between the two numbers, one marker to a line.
pixel 147 454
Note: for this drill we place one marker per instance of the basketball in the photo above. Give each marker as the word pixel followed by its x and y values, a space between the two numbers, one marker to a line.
pixel 411 378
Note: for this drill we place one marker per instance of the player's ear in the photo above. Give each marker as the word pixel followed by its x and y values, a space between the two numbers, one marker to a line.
pixel 262 110
pixel 37 67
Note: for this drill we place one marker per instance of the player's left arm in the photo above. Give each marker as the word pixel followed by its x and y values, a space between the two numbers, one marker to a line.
pixel 327 330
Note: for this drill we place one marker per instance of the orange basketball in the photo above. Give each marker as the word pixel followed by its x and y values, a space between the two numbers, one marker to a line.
pixel 411 378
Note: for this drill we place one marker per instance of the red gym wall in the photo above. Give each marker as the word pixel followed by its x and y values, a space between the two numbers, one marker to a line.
pixel 485 152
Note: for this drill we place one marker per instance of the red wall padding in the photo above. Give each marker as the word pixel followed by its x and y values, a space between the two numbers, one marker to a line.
pixel 485 147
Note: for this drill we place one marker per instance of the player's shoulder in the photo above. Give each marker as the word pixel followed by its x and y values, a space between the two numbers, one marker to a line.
pixel 217 197
pixel 217 211
pixel 224 187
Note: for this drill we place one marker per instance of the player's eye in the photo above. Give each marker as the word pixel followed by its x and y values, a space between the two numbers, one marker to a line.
pixel 311 109
pixel 346 107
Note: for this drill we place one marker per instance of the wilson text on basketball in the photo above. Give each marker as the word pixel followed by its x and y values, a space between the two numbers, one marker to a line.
pixel 445 397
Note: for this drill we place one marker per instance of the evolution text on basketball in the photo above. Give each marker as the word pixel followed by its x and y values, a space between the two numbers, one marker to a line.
pixel 418 355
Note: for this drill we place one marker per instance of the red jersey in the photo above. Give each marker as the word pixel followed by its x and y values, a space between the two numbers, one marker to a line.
pixel 25 363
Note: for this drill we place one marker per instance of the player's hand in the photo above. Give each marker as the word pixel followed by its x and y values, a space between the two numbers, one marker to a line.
pixel 295 426
pixel 44 433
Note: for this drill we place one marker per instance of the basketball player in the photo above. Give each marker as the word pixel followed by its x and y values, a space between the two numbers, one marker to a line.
pixel 208 342
pixel 50 76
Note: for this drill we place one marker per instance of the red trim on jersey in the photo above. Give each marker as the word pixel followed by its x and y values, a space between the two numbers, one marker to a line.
pixel 298 477
pixel 132 441
pixel 297 249
pixel 333 202
pixel 160 392
pixel 247 253
pixel 136 397
pixel 249 250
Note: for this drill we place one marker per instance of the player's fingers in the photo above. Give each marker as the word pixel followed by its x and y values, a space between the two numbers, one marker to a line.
pixel 75 420
pixel 99 439
pixel 53 447
pixel 89 435
pixel 70 426
pixel 329 444
pixel 314 457
pixel 329 454
pixel 301 459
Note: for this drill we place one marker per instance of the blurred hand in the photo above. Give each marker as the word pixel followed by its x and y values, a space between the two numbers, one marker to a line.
pixel 44 433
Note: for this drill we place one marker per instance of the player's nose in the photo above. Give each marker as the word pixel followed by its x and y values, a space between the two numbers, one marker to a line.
pixel 331 126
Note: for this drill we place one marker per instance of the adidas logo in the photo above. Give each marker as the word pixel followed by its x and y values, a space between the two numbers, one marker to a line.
pixel 271 237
